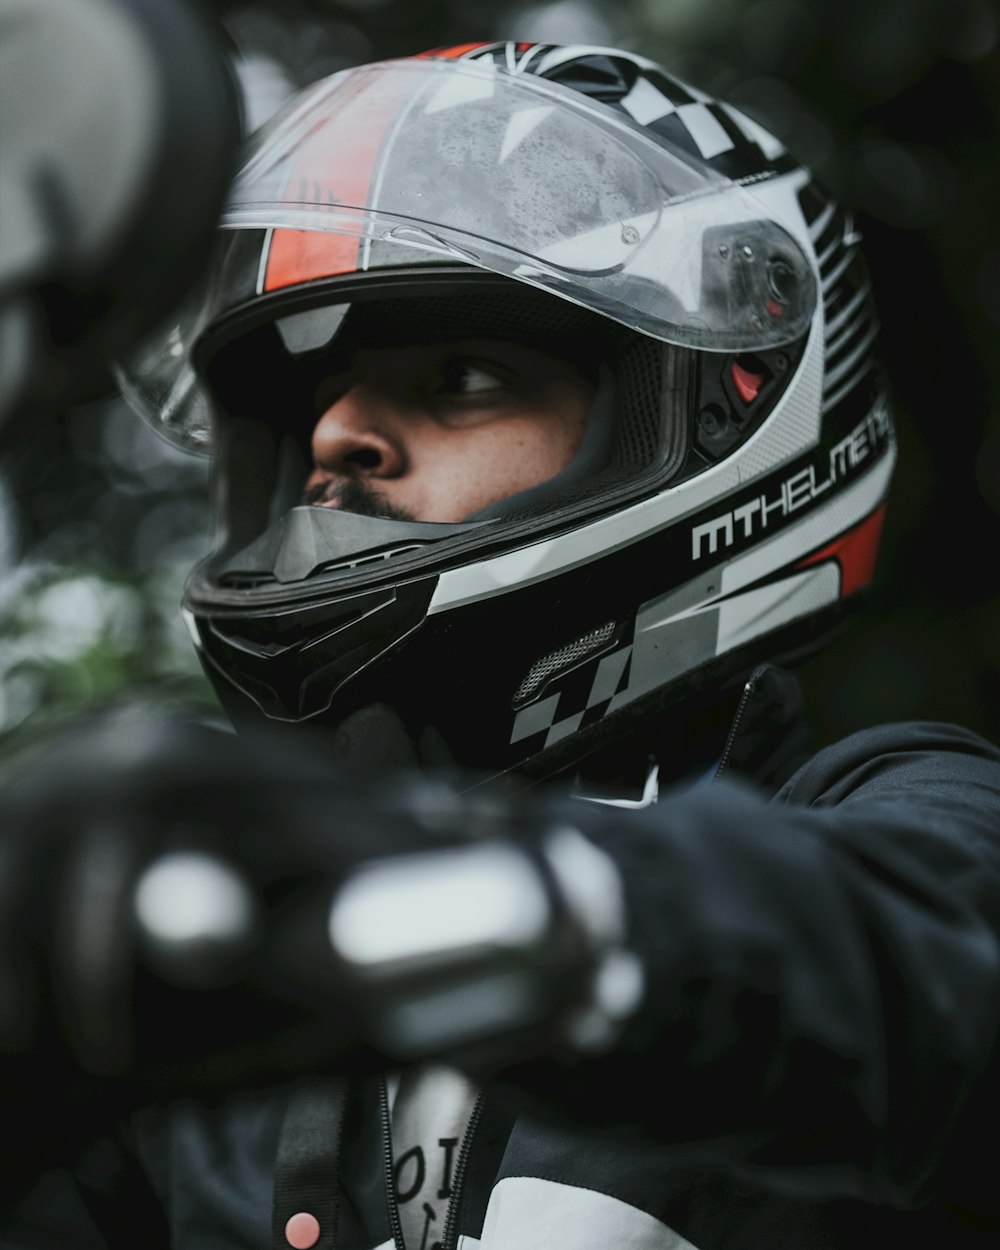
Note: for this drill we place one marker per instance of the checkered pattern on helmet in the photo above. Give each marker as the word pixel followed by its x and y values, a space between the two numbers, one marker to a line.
pixel 582 699
pixel 662 105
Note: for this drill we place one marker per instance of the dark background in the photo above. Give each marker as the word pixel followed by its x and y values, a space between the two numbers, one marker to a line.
pixel 894 103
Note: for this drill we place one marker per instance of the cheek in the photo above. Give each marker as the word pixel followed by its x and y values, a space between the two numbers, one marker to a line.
pixel 481 466
pixel 544 447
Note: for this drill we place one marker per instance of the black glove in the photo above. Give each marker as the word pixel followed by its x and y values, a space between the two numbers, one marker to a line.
pixel 183 911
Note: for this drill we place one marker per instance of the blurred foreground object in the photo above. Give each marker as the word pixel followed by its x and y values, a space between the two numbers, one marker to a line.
pixel 120 125
pixel 183 910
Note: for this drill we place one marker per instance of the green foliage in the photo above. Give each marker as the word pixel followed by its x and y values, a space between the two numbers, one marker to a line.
pixel 74 641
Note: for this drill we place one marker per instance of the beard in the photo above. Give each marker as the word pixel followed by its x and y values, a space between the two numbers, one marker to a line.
pixel 353 495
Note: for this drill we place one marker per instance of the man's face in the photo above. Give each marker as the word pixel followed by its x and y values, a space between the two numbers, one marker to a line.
pixel 439 431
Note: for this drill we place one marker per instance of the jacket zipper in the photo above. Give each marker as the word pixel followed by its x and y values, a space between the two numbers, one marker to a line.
pixel 450 1234
pixel 734 730
pixel 395 1224
pixel 451 1219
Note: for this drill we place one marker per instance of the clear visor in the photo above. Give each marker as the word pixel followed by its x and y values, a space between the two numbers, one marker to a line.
pixel 413 161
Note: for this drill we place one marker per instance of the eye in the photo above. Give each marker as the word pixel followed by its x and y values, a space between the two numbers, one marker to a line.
pixel 463 376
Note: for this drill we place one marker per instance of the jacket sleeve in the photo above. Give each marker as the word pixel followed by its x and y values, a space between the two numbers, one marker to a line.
pixel 823 974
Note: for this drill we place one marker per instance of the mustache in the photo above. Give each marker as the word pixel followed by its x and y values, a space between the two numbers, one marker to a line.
pixel 353 495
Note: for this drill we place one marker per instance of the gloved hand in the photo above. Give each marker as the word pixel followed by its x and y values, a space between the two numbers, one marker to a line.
pixel 184 911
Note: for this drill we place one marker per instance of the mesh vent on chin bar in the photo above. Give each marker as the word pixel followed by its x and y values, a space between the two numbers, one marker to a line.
pixel 564 657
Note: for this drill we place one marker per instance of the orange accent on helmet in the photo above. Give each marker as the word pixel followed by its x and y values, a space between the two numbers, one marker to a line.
pixel 302 255
pixel 450 54
pixel 747 382
pixel 296 256
pixel 854 551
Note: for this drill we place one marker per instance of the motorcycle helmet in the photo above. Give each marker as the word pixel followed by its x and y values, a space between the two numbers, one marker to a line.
pixel 587 201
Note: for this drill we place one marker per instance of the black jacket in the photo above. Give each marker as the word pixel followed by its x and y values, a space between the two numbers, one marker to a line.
pixel 815 1064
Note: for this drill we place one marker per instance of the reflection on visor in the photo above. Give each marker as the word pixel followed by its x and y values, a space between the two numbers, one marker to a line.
pixel 527 179
pixel 463 154
pixel 415 162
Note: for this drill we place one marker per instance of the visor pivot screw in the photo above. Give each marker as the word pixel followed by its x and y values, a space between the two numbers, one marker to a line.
pixel 709 421
pixel 630 234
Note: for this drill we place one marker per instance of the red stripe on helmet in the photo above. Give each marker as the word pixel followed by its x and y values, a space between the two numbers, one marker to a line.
pixel 296 256
pixel 854 551
pixel 304 255
pixel 451 54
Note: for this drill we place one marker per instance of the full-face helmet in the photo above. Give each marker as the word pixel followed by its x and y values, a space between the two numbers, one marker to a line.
pixel 586 200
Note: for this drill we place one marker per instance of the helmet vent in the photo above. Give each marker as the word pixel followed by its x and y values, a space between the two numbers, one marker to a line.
pixel 564 657
pixel 369 558
pixel 235 579
pixel 246 581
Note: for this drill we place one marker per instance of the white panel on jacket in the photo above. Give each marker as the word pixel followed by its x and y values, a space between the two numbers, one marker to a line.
pixel 526 1213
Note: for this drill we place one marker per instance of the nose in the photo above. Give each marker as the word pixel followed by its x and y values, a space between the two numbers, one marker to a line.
pixel 355 437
